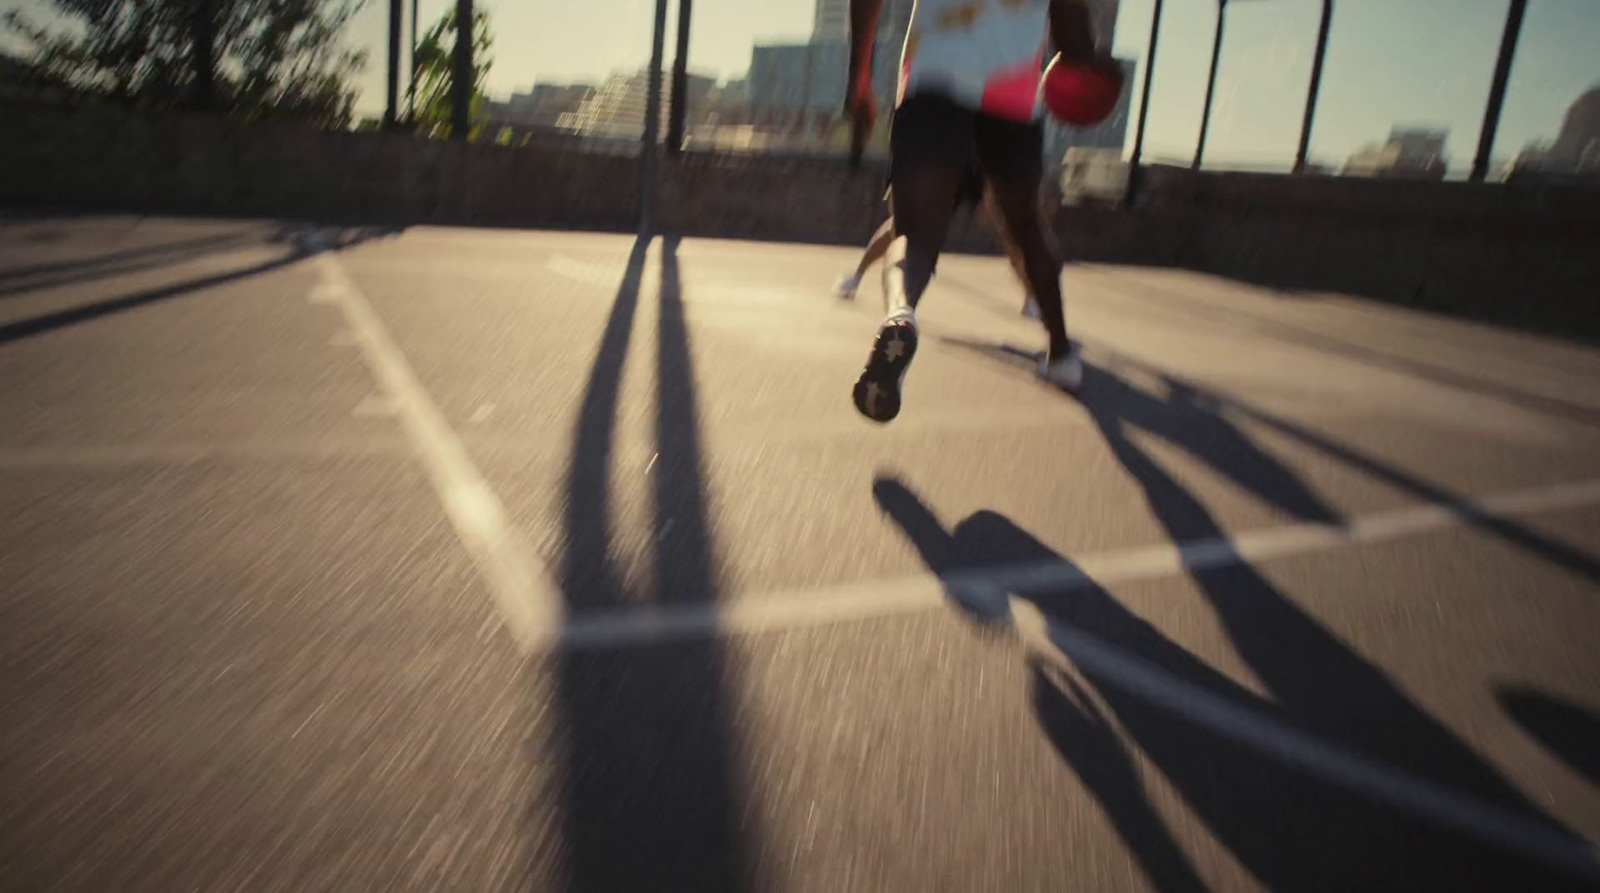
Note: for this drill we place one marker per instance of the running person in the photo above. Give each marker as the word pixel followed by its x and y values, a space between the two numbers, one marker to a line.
pixel 974 195
pixel 969 84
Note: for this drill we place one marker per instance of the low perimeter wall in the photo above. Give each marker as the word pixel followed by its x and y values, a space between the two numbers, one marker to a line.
pixel 1521 255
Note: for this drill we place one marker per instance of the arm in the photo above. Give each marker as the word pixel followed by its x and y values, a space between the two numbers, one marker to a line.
pixel 1072 30
pixel 859 105
pixel 863 31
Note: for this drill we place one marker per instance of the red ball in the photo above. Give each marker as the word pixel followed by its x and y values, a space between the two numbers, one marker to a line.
pixel 1079 94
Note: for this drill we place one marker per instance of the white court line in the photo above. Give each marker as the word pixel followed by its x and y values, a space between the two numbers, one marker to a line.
pixel 529 602
pixel 881 598
pixel 1297 750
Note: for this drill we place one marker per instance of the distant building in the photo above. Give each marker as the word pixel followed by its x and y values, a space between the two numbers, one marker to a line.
pixel 538 109
pixel 1409 152
pixel 546 103
pixel 1576 150
pixel 798 85
pixel 616 109
pixel 727 103
pixel 830 22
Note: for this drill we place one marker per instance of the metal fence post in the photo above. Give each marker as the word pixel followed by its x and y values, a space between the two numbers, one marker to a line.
pixel 1497 90
pixel 461 88
pixel 1144 107
pixel 680 82
pixel 391 111
pixel 1316 85
pixel 411 92
pixel 1211 84
pixel 652 121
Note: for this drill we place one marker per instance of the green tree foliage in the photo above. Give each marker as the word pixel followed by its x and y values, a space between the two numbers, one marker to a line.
pixel 268 57
pixel 435 66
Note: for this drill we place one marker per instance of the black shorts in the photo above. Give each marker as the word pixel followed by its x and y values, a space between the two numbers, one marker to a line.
pixel 929 129
pixel 971 193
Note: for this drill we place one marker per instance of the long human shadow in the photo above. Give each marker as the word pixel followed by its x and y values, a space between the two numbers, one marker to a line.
pixel 21 280
pixel 1184 421
pixel 1570 731
pixel 650 798
pixel 1186 395
pixel 1215 315
pixel 1087 741
pixel 126 254
pixel 300 248
pixel 1554 551
pixel 1294 830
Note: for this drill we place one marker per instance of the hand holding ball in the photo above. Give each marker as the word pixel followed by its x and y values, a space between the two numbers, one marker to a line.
pixel 1082 94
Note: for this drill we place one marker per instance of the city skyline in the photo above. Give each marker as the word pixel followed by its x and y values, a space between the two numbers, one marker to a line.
pixel 1421 64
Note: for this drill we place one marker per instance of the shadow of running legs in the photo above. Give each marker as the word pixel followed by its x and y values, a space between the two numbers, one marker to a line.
pixel 1085 738
pixel 1570 731
pixel 1300 813
pixel 650 796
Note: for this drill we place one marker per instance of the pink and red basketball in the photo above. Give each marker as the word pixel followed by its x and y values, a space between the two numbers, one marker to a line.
pixel 1079 94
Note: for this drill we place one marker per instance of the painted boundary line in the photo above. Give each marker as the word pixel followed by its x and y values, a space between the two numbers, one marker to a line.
pixel 1297 750
pixel 883 598
pixel 529 602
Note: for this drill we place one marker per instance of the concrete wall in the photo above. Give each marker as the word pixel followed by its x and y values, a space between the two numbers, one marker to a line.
pixel 106 158
pixel 1521 255
pixel 1524 255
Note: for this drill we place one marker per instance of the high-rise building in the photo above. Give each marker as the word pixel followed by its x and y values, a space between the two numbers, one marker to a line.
pixel 831 20
pixel 616 110
pixel 1576 150
pixel 798 82
pixel 1409 152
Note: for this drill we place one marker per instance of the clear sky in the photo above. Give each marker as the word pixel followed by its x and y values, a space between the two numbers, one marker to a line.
pixel 1421 62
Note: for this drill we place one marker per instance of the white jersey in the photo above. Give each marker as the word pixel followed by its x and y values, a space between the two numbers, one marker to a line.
pixel 986 55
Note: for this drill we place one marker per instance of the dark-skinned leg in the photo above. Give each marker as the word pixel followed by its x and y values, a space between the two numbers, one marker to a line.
pixel 924 199
pixel 997 224
pixel 1018 201
pixel 931 152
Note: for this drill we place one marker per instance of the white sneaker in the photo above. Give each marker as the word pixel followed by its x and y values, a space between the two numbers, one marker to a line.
pixel 1065 373
pixel 846 289
pixel 1030 308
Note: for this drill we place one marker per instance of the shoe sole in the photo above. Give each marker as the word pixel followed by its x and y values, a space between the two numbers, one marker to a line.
pixel 877 391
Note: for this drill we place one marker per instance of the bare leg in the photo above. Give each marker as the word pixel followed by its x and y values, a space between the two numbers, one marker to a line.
pixel 924 199
pixel 1018 201
pixel 924 203
pixel 1007 244
pixel 876 249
